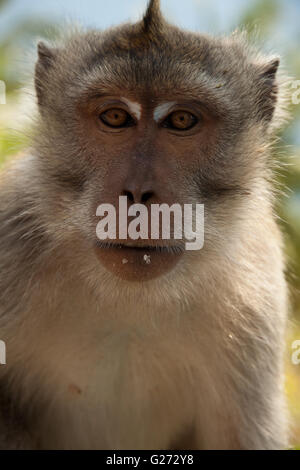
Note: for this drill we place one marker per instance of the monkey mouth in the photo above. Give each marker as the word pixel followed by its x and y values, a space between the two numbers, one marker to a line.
pixel 170 249
pixel 132 261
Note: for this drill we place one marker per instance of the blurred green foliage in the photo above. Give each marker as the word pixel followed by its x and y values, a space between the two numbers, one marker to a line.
pixel 261 16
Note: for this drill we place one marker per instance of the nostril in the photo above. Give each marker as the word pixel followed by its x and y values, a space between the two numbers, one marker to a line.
pixel 138 197
pixel 146 196
pixel 129 195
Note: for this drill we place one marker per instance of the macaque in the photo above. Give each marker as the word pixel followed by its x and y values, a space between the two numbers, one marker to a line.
pixel 142 344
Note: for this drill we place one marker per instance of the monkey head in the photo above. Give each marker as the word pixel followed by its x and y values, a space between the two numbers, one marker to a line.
pixel 159 115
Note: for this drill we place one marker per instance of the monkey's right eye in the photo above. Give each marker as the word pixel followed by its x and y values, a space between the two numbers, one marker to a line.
pixel 116 118
pixel 180 120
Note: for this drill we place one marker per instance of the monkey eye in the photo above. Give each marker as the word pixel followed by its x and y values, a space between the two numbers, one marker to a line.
pixel 117 118
pixel 180 120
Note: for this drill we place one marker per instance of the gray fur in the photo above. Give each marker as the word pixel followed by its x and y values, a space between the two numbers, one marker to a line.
pixel 192 360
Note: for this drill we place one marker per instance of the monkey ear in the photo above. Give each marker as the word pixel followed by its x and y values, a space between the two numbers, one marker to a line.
pixel 46 59
pixel 153 17
pixel 268 89
pixel 46 55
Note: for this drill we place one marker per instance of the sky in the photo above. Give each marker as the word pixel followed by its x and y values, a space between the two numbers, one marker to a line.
pixel 194 14
pixel 212 16
pixel 103 13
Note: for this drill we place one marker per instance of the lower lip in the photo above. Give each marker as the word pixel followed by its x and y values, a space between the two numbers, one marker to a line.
pixel 137 264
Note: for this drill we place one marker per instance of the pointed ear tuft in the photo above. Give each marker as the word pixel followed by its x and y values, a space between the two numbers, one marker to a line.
pixel 153 16
pixel 46 55
pixel 46 59
pixel 269 89
pixel 271 69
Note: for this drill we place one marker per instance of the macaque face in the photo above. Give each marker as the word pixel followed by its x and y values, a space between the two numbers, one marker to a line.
pixel 146 147
pixel 157 126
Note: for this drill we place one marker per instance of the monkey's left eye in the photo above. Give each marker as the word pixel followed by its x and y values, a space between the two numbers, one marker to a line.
pixel 117 118
pixel 180 120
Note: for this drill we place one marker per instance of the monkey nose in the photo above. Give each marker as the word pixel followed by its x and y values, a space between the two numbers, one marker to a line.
pixel 138 195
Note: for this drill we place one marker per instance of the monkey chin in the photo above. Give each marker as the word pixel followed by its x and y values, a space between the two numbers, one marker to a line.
pixel 138 263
